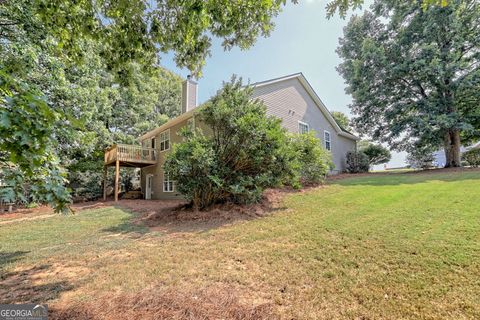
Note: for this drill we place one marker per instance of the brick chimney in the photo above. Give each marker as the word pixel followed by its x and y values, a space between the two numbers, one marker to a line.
pixel 189 94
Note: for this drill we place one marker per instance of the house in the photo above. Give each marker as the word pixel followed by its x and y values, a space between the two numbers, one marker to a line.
pixel 290 98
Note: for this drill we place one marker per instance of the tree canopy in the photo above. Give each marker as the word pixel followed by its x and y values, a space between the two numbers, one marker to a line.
pixel 342 6
pixel 414 74
pixel 376 153
pixel 45 44
pixel 342 119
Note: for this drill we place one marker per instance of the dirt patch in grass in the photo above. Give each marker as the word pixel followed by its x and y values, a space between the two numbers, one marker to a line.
pixel 215 302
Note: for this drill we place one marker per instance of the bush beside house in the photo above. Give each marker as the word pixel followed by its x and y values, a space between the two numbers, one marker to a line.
pixel 472 157
pixel 245 152
pixel 357 162
pixel 314 161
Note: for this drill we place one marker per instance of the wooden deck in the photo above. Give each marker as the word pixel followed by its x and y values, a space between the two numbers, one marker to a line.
pixel 124 155
pixel 130 155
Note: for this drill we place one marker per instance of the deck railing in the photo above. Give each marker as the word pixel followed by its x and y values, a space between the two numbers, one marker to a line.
pixel 130 153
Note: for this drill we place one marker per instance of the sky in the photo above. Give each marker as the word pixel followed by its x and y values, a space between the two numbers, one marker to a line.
pixel 303 40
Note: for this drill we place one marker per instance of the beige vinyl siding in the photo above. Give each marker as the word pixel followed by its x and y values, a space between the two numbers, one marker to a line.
pixel 157 169
pixel 289 101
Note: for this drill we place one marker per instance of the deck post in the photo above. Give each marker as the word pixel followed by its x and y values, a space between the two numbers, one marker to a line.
pixel 117 173
pixel 105 178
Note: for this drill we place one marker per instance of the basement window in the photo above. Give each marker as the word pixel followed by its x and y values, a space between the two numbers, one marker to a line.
pixel 167 183
pixel 165 140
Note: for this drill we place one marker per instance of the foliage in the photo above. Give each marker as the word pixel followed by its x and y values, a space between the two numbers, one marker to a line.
pixel 421 158
pixel 87 110
pixel 472 157
pixel 376 153
pixel 357 162
pixel 342 6
pixel 85 178
pixel 137 30
pixel 27 155
pixel 314 161
pixel 342 120
pixel 80 64
pixel 244 153
pixel 413 74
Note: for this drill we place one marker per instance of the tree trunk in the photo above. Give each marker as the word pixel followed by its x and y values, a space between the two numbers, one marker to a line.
pixel 452 148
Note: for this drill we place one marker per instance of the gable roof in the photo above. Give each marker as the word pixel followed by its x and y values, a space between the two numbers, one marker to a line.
pixel 299 76
pixel 318 102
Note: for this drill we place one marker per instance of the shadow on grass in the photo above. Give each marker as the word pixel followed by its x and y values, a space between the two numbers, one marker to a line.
pixel 26 286
pixel 410 177
pixel 10 257
pixel 128 225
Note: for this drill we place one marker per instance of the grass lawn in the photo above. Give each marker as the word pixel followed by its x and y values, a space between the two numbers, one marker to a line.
pixel 391 246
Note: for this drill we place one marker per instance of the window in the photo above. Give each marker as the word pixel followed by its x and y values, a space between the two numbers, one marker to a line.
pixel 303 127
pixel 153 143
pixel 167 183
pixel 328 142
pixel 165 140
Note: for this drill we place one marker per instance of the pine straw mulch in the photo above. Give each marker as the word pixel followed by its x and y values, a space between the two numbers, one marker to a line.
pixel 219 302
pixel 177 216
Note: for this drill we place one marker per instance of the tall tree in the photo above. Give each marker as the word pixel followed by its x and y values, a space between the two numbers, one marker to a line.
pixel 414 74
pixel 376 153
pixel 129 32
pixel 342 119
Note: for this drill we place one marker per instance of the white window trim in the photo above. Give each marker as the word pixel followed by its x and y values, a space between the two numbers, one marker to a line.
pixel 160 140
pixel 164 183
pixel 305 124
pixel 329 139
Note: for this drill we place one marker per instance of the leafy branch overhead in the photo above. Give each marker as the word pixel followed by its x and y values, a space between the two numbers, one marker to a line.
pixel 342 6
pixel 137 30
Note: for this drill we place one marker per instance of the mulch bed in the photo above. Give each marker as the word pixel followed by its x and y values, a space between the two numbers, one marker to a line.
pixel 217 302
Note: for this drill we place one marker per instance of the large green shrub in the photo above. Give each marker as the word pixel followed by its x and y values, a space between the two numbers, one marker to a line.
pixel 244 152
pixel 472 157
pixel 357 162
pixel 314 161
pixel 376 153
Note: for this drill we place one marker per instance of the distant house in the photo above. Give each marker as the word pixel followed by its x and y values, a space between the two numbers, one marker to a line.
pixel 290 98
pixel 440 158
